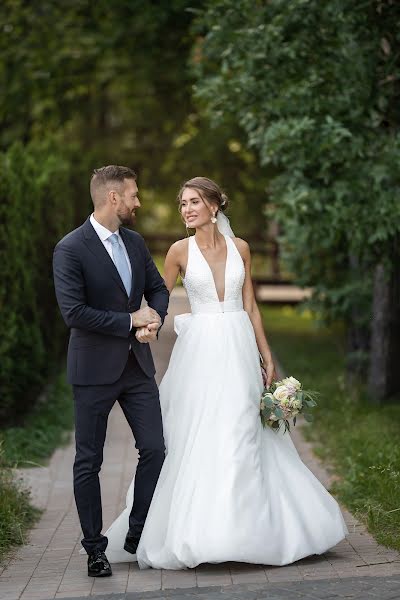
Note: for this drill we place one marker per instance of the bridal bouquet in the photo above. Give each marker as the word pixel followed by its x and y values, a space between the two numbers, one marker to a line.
pixel 284 400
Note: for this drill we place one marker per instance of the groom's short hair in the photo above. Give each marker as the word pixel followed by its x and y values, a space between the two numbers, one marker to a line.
pixel 103 177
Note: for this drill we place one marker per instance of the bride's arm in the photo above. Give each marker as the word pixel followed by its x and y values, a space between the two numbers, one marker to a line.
pixel 173 264
pixel 172 267
pixel 250 306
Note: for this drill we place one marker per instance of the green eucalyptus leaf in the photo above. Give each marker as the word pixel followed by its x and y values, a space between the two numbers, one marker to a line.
pixel 268 402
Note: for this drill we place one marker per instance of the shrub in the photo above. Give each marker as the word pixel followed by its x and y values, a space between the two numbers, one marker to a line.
pixel 36 209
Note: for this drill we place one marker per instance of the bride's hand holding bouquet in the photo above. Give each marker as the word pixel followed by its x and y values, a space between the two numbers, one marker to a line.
pixel 284 400
pixel 268 372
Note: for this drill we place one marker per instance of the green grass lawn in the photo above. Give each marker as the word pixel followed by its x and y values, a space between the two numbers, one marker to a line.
pixel 31 443
pixel 43 430
pixel 360 440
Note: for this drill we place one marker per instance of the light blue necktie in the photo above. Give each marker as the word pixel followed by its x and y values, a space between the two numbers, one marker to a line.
pixel 121 262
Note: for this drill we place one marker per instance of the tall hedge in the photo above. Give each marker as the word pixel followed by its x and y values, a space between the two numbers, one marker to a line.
pixel 36 209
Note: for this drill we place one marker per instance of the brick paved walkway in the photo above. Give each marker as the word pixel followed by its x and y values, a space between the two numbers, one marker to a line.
pixel 354 588
pixel 50 565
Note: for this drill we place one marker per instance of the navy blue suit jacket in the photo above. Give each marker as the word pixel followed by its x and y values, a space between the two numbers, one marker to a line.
pixel 95 306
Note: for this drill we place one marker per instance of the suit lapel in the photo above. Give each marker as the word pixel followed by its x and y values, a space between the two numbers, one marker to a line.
pixel 96 246
pixel 132 253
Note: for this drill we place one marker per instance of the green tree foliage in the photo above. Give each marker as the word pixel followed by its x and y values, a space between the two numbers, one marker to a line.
pixel 114 82
pixel 315 86
pixel 69 64
pixel 111 78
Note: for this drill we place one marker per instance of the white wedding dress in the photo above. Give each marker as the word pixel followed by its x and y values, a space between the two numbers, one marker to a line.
pixel 229 490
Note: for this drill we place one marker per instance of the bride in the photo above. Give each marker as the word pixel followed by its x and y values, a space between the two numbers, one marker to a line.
pixel 229 490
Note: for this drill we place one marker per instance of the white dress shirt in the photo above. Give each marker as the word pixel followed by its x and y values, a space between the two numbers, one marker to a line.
pixel 104 235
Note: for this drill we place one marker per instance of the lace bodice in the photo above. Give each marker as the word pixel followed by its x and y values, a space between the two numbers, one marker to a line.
pixel 200 285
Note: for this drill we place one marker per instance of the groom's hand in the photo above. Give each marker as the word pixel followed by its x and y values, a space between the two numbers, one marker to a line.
pixel 145 316
pixel 147 334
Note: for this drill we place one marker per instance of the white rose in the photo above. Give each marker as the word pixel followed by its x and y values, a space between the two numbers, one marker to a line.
pixel 281 393
pixel 289 386
pixel 295 383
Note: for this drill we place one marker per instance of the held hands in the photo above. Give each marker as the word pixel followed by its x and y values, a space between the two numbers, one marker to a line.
pixel 148 333
pixel 147 321
pixel 145 316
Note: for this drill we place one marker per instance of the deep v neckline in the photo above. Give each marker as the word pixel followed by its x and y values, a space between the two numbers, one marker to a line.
pixel 210 269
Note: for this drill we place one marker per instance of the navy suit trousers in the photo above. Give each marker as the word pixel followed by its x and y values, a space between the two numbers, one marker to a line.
pixel 138 396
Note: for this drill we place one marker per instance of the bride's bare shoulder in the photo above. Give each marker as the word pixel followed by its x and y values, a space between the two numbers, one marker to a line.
pixel 179 246
pixel 178 251
pixel 242 246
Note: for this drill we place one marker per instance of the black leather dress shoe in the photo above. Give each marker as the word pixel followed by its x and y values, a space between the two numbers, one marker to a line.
pixel 131 543
pixel 98 565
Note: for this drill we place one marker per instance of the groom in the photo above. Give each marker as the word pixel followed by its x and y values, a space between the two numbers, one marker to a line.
pixel 101 272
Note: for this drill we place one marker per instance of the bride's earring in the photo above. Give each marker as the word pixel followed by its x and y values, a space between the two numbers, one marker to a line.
pixel 213 218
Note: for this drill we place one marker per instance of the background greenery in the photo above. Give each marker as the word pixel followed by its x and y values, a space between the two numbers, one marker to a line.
pixel 36 188
pixel 89 84
pixel 293 107
pixel 315 86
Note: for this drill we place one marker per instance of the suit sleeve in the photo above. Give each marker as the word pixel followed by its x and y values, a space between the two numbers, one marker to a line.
pixel 70 291
pixel 155 290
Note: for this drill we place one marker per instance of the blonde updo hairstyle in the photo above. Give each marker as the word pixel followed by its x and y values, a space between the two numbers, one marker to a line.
pixel 208 190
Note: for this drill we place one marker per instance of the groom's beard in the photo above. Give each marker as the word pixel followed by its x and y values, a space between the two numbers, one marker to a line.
pixel 127 218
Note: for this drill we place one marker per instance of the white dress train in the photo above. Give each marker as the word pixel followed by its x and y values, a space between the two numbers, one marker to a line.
pixel 228 490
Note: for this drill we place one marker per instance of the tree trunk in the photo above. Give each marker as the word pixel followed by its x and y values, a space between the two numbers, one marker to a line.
pixel 384 380
pixel 358 336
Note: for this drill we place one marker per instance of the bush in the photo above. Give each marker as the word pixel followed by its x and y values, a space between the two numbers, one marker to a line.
pixel 36 209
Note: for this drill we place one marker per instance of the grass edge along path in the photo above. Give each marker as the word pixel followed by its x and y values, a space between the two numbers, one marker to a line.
pixel 17 514
pixel 31 443
pixel 359 440
pixel 43 430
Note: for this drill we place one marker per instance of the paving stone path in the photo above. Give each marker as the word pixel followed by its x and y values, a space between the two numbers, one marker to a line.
pixel 49 566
